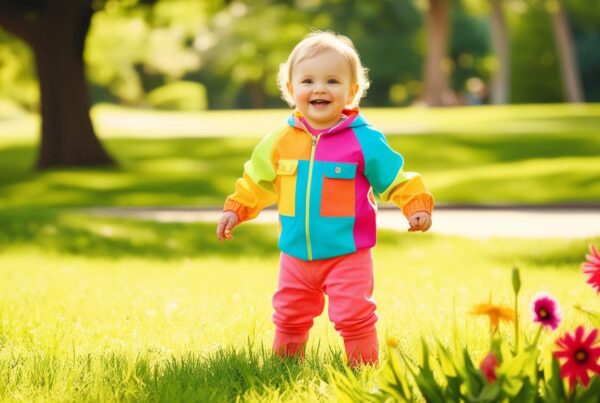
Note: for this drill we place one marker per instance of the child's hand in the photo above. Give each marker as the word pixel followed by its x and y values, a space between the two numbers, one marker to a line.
pixel 419 221
pixel 227 223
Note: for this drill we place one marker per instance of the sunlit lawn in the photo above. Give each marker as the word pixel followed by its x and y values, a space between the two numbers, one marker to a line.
pixel 100 309
pixel 518 154
pixel 105 309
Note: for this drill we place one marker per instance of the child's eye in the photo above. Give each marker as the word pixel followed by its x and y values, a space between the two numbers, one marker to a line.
pixel 307 81
pixel 332 81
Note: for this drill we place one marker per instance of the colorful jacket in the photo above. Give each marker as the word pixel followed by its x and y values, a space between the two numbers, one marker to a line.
pixel 323 186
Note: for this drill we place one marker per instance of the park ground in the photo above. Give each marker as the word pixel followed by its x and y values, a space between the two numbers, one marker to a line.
pixel 105 308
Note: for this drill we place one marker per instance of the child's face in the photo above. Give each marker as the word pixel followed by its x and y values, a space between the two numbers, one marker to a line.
pixel 321 87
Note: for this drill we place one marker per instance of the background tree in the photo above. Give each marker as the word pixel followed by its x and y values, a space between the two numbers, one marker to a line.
pixel 220 54
pixel 437 22
pixel 584 17
pixel 56 32
pixel 500 84
pixel 468 62
pixel 571 83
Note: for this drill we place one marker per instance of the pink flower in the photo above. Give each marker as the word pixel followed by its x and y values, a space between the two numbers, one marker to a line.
pixel 545 310
pixel 592 268
pixel 488 367
pixel 581 354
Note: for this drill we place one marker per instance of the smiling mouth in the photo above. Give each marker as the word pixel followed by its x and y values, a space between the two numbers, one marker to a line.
pixel 320 102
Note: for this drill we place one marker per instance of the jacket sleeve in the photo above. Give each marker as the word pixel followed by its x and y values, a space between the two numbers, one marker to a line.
pixel 254 190
pixel 384 171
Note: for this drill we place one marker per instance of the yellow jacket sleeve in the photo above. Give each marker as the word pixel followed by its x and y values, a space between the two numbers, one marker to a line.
pixel 254 190
pixel 412 196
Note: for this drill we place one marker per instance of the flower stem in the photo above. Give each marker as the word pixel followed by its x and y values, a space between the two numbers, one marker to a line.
pixel 537 336
pixel 516 324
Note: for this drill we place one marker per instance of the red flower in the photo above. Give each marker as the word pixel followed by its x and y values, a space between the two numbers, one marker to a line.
pixel 592 268
pixel 581 354
pixel 488 367
pixel 545 310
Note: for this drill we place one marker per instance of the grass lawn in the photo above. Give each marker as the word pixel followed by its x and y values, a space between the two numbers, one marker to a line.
pixel 131 310
pixel 532 154
pixel 105 309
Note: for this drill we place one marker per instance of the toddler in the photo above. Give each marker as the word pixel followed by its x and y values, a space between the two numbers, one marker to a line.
pixel 322 168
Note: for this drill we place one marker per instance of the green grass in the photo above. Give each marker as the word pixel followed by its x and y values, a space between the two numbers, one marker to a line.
pixel 519 154
pixel 103 309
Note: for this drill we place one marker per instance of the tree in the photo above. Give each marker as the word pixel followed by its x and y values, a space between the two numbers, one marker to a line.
pixel 56 31
pixel 564 43
pixel 501 79
pixel 435 75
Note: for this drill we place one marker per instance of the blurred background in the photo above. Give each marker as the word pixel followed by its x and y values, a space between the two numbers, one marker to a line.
pixel 214 54
pixel 179 87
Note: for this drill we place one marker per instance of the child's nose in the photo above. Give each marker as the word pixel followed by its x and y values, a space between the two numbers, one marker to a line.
pixel 319 87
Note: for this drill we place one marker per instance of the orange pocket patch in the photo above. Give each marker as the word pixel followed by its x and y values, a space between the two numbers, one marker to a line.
pixel 338 194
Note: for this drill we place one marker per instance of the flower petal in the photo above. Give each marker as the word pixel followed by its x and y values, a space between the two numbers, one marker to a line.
pixel 579 332
pixel 585 378
pixel 589 340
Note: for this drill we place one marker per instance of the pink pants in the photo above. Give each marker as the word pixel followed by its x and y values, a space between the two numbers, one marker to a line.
pixel 348 282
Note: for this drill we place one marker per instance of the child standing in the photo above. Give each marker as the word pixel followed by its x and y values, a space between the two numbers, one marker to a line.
pixel 321 169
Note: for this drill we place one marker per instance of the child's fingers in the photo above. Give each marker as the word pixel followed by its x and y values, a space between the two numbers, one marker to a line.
pixel 228 228
pixel 224 228
pixel 220 230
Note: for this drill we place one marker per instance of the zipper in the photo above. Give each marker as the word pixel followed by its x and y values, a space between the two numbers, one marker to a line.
pixel 314 140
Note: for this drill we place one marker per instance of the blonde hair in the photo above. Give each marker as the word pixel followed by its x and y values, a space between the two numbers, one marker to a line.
pixel 313 44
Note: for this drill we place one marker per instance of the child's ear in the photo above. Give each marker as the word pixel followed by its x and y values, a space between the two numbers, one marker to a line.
pixel 352 93
pixel 290 88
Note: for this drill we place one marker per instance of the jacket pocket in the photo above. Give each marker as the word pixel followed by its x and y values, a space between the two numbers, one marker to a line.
pixel 287 171
pixel 337 199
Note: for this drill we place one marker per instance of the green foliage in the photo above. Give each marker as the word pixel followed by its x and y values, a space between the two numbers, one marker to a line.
pixel 469 46
pixel 385 28
pixel 17 72
pixel 128 45
pixel 234 48
pixel 179 95
pixel 448 374
pixel 535 75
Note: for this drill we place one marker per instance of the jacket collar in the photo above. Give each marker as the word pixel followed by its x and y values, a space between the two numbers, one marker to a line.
pixel 352 118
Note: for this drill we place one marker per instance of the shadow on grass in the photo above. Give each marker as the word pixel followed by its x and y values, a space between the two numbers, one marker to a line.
pixel 78 234
pixel 463 150
pixel 202 171
pixel 149 172
pixel 64 232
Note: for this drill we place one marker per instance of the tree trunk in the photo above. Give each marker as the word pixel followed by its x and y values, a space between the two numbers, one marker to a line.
pixel 436 76
pixel 258 98
pixel 56 31
pixel 501 79
pixel 564 43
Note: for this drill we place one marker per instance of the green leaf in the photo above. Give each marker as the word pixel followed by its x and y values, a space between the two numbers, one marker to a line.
pixel 489 393
pixel 426 382
pixel 528 393
pixel 393 380
pixel 554 388
pixel 591 394
pixel 594 316
pixel 447 362
pixel 473 378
